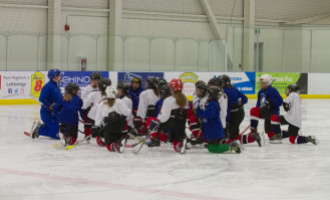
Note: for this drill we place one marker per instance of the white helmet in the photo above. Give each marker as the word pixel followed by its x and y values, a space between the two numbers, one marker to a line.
pixel 110 92
pixel 267 78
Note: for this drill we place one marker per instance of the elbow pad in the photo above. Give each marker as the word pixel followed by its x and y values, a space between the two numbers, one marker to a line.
pixel 286 106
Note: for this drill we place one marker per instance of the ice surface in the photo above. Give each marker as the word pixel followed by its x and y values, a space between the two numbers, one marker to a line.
pixel 278 171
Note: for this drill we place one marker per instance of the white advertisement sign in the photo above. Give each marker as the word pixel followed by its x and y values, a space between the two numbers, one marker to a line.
pixel 15 85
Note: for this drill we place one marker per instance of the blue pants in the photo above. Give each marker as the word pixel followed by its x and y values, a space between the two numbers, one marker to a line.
pixel 50 128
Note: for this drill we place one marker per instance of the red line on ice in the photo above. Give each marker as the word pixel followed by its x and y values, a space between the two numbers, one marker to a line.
pixel 109 185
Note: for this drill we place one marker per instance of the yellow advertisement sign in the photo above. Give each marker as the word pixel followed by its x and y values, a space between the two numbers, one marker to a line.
pixel 189 79
pixel 37 82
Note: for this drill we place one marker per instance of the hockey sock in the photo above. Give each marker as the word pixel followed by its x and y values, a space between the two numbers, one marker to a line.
pixel 285 134
pixel 255 115
pixel 217 148
pixel 99 141
pixel 298 140
pixel 270 134
pixel 88 131
pixel 112 147
pixel 177 145
pixel 276 126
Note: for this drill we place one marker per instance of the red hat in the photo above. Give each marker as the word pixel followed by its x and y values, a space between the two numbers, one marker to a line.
pixel 176 85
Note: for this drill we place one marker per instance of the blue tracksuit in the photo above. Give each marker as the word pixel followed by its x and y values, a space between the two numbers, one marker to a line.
pixel 272 95
pixel 158 106
pixel 67 111
pixel 233 95
pixel 49 95
pixel 135 94
pixel 212 127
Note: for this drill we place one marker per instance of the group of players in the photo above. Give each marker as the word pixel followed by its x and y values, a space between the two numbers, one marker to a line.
pixel 161 112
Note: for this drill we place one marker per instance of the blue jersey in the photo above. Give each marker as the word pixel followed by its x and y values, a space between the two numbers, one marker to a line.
pixel 67 111
pixel 234 95
pixel 49 95
pixel 272 95
pixel 212 127
pixel 158 106
pixel 135 94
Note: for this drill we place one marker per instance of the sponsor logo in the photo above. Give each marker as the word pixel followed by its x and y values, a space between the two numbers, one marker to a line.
pixel 80 80
pixel 189 77
pixel 16 91
pixel 21 91
pixel 10 90
pixel 37 82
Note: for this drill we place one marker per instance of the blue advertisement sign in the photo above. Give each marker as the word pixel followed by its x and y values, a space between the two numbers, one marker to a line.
pixel 244 82
pixel 78 77
pixel 128 76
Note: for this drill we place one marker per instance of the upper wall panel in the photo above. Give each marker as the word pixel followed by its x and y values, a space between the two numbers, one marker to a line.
pixel 97 4
pixel 227 8
pixel 26 2
pixel 164 6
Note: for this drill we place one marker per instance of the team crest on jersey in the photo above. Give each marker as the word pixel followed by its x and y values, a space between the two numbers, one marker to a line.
pixel 189 77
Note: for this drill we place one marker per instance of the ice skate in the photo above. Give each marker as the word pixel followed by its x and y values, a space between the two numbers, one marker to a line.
pixel 183 146
pixel 154 143
pixel 120 146
pixel 235 147
pixel 35 130
pixel 276 139
pixel 256 136
pixel 312 139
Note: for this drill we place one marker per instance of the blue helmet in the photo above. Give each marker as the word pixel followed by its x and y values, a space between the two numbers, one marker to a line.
pixel 52 73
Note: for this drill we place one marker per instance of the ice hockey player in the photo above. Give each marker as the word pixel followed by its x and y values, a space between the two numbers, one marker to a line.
pixel 67 112
pixel 110 119
pixel 292 105
pixel 268 106
pixel 49 95
pixel 90 105
pixel 147 103
pixel 212 127
pixel 92 87
pixel 135 91
pixel 235 111
pixel 199 101
pixel 223 100
pixel 123 94
pixel 174 114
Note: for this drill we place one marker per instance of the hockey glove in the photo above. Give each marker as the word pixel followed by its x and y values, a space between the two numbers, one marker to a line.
pixel 154 125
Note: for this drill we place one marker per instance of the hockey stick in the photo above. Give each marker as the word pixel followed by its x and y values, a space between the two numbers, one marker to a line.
pixel 142 142
pixel 73 145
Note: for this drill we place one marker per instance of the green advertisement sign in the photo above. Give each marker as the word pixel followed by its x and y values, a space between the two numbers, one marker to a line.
pixel 282 80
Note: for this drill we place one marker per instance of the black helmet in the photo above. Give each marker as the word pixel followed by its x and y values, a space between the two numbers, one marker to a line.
pixel 293 88
pixel 123 86
pixel 165 91
pixel 71 88
pixel 203 88
pixel 225 79
pixel 161 82
pixel 214 92
pixel 215 82
pixel 103 84
pixel 152 82
pixel 199 82
pixel 96 76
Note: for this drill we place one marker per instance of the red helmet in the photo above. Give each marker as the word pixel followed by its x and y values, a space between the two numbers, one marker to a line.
pixel 176 85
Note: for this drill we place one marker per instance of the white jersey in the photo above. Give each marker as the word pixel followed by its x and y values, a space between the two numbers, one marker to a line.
pixel 169 104
pixel 199 102
pixel 86 91
pixel 103 110
pixel 223 102
pixel 129 104
pixel 92 100
pixel 294 114
pixel 147 98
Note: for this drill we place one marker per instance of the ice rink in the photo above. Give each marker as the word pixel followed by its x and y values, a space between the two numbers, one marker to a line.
pixel 277 171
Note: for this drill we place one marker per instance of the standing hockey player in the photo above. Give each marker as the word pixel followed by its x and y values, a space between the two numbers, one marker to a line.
pixel 212 127
pixel 49 95
pixel 235 111
pixel 292 105
pixel 67 114
pixel 92 87
pixel 91 102
pixel 134 92
pixel 174 114
pixel 147 102
pixel 268 106
pixel 110 119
